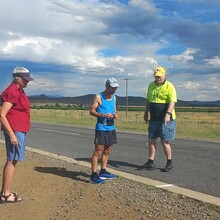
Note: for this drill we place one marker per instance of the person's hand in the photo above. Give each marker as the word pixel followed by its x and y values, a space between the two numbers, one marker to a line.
pixel 146 117
pixel 14 140
pixel 108 115
pixel 115 115
pixel 166 119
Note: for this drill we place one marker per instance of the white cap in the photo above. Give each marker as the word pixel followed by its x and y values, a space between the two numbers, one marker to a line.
pixel 22 72
pixel 112 82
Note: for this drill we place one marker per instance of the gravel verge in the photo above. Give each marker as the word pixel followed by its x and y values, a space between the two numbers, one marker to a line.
pixel 55 189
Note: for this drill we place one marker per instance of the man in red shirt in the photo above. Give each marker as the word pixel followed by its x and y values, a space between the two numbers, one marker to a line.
pixel 15 119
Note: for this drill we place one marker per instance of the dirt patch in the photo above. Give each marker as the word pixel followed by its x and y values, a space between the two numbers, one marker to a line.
pixel 55 189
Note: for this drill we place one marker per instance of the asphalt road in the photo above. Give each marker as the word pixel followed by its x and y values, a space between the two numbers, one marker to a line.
pixel 196 163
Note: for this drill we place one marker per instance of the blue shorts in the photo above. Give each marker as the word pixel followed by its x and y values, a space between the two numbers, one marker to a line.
pixel 16 153
pixel 158 129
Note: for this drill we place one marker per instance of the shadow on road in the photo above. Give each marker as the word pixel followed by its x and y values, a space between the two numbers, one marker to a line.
pixel 119 164
pixel 112 163
pixel 60 171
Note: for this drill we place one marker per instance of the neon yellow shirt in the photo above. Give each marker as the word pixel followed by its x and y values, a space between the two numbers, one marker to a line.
pixel 162 94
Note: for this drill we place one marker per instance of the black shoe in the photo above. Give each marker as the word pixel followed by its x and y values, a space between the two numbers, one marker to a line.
pixel 147 166
pixel 168 167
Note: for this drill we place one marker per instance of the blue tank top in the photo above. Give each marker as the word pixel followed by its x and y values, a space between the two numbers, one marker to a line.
pixel 107 106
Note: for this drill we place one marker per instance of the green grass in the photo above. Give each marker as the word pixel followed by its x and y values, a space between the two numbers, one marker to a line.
pixel 194 125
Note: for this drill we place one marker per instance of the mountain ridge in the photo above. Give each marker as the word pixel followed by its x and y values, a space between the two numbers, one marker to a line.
pixel 121 101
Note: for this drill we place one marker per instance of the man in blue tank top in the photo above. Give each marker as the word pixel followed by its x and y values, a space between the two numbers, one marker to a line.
pixel 104 109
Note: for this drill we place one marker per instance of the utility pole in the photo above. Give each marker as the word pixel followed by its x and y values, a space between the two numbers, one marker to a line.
pixel 126 79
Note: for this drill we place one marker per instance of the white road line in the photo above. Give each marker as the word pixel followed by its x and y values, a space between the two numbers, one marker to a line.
pixel 63 132
pixel 164 185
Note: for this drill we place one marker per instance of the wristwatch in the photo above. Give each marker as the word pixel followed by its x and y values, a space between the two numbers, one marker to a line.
pixel 169 113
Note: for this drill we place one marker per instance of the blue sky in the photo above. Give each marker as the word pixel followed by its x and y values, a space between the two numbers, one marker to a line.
pixel 72 46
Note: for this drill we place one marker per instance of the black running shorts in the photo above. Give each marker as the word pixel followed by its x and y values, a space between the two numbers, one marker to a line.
pixel 106 138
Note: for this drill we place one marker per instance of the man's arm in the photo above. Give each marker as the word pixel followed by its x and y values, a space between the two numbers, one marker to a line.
pixel 173 100
pixel 169 111
pixel 96 103
pixel 115 115
pixel 171 107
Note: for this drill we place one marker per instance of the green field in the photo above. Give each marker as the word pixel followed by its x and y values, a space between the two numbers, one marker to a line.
pixel 202 125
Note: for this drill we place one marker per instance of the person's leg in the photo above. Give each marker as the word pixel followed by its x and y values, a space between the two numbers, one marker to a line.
pixel 95 157
pixel 105 156
pixel 152 151
pixel 149 165
pixel 99 146
pixel 94 178
pixel 8 173
pixel 167 149
pixel 168 134
pixel 104 174
pixel 14 154
pixel 153 134
pixel 110 139
pixel 168 153
pixel 152 148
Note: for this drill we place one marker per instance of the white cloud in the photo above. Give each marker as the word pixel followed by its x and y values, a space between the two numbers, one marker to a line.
pixel 191 85
pixel 185 56
pixel 213 83
pixel 202 97
pixel 28 48
pixel 214 61
pixel 78 34
pixel 44 83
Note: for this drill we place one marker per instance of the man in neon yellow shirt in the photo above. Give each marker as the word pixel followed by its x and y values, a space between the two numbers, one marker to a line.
pixel 161 99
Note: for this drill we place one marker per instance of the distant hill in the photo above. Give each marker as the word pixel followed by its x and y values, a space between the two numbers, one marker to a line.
pixel 87 100
pixel 207 103
pixel 121 101
pixel 82 100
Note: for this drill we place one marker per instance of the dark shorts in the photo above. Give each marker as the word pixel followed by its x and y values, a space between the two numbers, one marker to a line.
pixel 158 129
pixel 106 138
pixel 16 153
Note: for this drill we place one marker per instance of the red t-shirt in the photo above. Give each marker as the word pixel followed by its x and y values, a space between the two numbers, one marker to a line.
pixel 19 114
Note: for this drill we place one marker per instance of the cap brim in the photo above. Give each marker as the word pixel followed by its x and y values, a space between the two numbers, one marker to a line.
pixel 158 74
pixel 28 78
pixel 114 85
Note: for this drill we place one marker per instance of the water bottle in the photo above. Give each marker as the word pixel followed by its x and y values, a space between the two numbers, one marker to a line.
pixel 105 121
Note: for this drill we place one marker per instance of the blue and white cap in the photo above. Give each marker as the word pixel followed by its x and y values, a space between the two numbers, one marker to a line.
pixel 112 82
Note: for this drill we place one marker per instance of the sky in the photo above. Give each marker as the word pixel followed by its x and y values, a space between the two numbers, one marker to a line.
pixel 72 46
